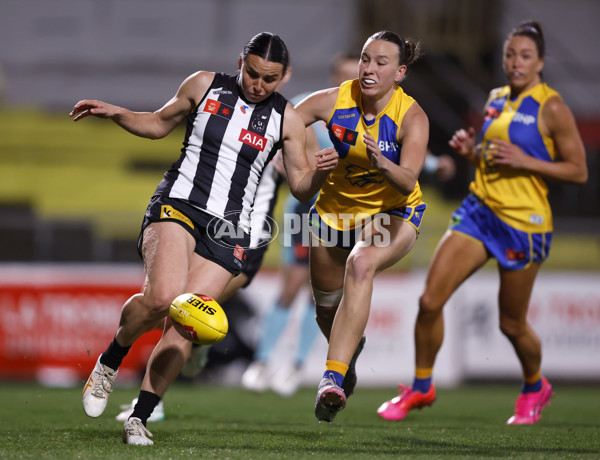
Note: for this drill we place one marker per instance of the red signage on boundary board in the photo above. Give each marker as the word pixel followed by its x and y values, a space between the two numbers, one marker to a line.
pixel 63 323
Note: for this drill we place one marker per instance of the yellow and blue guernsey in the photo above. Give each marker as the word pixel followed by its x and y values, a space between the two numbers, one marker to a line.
pixel 517 197
pixel 355 189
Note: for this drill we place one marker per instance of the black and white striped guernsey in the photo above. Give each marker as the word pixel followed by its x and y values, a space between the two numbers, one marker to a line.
pixel 228 143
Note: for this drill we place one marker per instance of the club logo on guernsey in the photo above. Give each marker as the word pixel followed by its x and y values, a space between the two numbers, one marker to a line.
pixel 253 139
pixel 360 176
pixel 258 124
pixel 218 108
pixel 345 135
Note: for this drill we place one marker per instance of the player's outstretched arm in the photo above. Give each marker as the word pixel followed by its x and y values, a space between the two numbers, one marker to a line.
pixel 152 125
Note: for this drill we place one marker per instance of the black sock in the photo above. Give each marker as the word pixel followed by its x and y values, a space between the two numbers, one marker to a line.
pixel 114 354
pixel 145 405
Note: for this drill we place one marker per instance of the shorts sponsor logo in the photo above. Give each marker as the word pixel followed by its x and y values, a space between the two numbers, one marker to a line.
pixel 169 212
pixel 513 254
pixel 253 139
pixel 536 219
pixel 239 252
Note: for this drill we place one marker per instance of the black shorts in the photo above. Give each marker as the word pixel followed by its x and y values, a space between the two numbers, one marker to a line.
pixel 227 249
pixel 254 261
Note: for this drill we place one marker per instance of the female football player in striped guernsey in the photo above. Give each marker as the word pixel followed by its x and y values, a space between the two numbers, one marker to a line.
pixel 369 211
pixel 529 135
pixel 191 239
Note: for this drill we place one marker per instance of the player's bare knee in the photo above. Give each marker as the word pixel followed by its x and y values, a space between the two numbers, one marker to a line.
pixel 430 305
pixel 157 305
pixel 360 267
pixel 511 327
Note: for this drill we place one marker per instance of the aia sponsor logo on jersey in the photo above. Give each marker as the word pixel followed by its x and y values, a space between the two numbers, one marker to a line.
pixel 218 108
pixel 345 135
pixel 253 139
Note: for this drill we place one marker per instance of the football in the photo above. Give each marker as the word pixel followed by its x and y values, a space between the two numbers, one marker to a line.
pixel 199 318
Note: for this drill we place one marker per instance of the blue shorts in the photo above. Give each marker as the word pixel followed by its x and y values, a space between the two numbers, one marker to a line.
pixel 346 239
pixel 514 249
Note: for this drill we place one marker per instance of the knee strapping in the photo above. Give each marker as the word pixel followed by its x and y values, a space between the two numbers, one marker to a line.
pixel 328 298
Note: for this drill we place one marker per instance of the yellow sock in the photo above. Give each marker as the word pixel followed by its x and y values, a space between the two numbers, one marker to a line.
pixel 534 378
pixel 336 366
pixel 423 372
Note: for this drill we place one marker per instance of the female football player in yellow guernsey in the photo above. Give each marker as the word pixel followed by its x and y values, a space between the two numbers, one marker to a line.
pixel 368 212
pixel 529 135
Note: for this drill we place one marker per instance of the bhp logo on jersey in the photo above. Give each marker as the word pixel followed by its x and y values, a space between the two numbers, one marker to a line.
pixel 253 139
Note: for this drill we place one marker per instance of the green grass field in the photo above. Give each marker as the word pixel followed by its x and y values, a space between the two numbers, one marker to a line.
pixel 230 423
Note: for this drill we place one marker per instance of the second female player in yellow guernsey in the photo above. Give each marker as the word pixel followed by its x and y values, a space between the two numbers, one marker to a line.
pixel 529 135
pixel 368 213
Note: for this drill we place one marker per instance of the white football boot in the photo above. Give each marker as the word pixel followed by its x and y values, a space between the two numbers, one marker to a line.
pixel 97 389
pixel 330 400
pixel 256 377
pixel 158 414
pixel 286 382
pixel 134 432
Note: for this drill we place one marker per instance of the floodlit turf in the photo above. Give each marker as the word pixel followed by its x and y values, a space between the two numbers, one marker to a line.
pixel 210 422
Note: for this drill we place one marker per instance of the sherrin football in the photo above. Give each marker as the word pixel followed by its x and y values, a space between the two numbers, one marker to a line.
pixel 199 318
